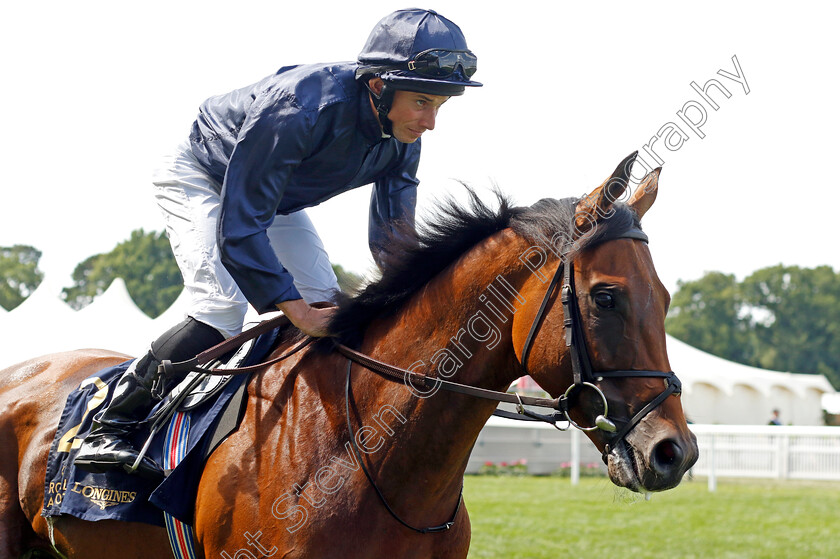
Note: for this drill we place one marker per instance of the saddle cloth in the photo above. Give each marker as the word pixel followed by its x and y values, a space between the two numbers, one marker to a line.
pixel 117 495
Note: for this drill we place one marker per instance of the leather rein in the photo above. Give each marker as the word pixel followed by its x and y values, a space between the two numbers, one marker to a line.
pixel 583 376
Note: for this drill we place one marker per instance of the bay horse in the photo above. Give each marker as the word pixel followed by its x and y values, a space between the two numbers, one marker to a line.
pixel 331 458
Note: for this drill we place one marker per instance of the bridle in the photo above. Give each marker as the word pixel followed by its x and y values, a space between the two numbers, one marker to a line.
pixel 582 371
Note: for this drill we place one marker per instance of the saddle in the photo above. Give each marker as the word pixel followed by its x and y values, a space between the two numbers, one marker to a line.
pixel 180 433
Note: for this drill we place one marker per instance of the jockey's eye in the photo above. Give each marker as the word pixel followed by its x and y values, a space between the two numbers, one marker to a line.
pixel 604 300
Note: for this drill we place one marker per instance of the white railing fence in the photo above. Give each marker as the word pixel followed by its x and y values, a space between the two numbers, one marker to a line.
pixel 759 451
pixel 749 451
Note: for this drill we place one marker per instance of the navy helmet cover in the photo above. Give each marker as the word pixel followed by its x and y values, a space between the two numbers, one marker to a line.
pixel 399 37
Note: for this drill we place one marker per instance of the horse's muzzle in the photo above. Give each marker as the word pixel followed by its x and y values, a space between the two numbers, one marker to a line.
pixel 648 462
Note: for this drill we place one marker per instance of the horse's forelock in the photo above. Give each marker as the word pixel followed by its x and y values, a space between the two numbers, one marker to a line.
pixel 551 220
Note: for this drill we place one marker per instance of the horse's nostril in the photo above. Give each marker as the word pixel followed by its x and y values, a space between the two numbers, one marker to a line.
pixel 667 454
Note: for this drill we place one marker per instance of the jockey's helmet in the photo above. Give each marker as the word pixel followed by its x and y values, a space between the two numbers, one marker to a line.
pixel 416 50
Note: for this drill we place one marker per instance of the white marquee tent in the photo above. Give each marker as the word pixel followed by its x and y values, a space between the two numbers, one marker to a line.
pixel 719 391
pixel 714 390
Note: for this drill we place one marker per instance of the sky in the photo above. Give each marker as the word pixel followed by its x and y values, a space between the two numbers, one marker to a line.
pixel 97 92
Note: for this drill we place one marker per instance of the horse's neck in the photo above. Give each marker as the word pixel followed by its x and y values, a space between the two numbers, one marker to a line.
pixel 459 328
pixel 459 325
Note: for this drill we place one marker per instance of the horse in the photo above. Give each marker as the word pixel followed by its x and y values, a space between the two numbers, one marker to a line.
pixel 331 457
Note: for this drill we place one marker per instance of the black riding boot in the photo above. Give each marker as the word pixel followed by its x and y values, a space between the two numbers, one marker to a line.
pixel 104 448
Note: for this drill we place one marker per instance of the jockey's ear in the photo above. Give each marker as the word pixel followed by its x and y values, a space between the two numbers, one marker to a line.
pixel 376 85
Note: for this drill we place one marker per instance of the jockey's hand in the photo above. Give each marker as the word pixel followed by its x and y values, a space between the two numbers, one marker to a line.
pixel 310 320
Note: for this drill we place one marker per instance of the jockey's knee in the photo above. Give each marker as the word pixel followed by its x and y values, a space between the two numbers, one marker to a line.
pixel 226 319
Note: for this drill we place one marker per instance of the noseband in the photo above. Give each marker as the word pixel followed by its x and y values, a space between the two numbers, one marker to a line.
pixel 582 371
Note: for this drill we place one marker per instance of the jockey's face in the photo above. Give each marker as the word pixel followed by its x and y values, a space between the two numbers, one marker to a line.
pixel 411 113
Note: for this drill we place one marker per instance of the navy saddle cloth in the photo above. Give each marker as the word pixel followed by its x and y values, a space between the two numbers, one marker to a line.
pixel 117 495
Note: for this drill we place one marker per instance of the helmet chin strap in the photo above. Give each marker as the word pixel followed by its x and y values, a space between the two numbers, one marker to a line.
pixel 382 102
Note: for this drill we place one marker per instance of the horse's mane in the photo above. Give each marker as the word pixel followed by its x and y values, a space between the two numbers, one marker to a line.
pixel 414 257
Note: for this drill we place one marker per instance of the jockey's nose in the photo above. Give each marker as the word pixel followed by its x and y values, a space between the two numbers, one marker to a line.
pixel 428 119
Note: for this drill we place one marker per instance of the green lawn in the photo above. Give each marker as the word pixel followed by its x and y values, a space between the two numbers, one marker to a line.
pixel 545 517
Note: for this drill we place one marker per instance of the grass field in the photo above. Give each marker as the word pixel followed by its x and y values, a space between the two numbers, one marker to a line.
pixel 545 517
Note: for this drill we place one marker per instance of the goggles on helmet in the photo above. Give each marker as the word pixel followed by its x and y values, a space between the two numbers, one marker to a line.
pixel 441 63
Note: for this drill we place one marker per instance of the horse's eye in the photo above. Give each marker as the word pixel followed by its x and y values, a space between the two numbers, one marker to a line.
pixel 604 300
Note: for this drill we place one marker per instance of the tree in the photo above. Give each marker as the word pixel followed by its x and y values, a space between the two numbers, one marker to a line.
pixel 783 318
pixel 801 328
pixel 19 274
pixel 706 313
pixel 347 281
pixel 151 275
pixel 146 264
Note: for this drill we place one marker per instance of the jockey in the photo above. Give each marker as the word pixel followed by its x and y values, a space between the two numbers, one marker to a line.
pixel 233 196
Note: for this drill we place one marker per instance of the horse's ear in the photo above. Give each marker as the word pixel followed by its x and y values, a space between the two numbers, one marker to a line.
pixel 600 200
pixel 645 193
